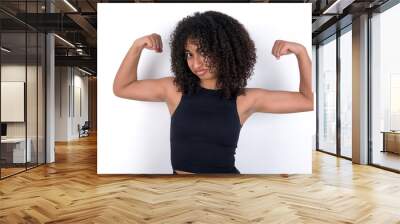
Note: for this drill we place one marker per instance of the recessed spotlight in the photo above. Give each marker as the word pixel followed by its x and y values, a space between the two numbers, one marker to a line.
pixel 5 50
pixel 64 40
pixel 70 5
pixel 84 71
pixel 337 7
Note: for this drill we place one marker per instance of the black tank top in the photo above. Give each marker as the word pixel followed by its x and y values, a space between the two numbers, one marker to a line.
pixel 205 129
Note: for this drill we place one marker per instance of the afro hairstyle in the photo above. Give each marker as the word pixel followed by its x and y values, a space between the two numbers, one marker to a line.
pixel 226 45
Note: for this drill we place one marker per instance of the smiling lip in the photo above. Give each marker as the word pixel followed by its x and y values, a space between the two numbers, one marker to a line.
pixel 201 72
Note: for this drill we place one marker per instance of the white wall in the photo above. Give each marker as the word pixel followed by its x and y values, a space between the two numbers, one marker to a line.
pixel 133 136
pixel 61 103
pixel 67 81
pixel 80 83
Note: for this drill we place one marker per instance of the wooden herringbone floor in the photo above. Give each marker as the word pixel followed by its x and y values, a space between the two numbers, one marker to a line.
pixel 70 191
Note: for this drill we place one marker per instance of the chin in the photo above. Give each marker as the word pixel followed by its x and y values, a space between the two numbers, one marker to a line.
pixel 202 77
pixel 206 76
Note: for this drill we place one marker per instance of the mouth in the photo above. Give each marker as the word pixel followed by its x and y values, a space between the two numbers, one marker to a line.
pixel 201 72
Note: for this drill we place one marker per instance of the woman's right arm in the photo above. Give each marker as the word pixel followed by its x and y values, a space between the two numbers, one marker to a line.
pixel 126 84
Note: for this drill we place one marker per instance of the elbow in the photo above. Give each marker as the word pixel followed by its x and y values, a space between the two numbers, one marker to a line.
pixel 116 93
pixel 116 90
pixel 310 104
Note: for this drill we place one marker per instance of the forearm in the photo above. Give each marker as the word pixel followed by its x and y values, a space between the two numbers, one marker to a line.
pixel 305 69
pixel 127 72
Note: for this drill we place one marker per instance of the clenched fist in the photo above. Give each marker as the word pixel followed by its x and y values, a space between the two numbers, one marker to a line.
pixel 150 42
pixel 282 47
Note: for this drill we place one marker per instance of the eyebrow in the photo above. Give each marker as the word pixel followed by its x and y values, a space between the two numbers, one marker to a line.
pixel 197 50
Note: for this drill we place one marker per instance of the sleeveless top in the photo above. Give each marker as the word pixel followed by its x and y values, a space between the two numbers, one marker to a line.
pixel 204 132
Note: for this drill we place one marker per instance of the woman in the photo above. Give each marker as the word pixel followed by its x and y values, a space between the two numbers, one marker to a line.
pixel 212 57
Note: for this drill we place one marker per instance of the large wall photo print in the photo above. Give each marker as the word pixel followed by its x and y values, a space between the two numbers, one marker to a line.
pixel 204 88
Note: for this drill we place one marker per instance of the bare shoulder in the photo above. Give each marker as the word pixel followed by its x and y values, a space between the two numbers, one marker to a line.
pixel 174 96
pixel 169 84
pixel 167 81
pixel 245 103
pixel 252 94
pixel 249 96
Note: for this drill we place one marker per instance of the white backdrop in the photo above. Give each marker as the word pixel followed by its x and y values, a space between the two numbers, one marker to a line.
pixel 133 136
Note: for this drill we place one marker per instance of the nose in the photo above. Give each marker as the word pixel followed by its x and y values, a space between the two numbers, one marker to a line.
pixel 197 62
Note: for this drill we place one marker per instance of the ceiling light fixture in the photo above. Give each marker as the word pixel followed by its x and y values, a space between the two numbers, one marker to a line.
pixel 70 5
pixel 86 72
pixel 80 51
pixel 5 49
pixel 64 40
pixel 337 7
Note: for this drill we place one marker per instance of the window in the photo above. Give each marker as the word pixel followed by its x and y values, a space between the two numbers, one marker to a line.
pixel 385 88
pixel 346 93
pixel 327 96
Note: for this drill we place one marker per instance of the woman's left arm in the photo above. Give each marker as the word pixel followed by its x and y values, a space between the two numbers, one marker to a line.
pixel 268 101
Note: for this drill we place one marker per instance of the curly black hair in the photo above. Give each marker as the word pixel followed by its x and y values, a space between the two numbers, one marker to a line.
pixel 226 45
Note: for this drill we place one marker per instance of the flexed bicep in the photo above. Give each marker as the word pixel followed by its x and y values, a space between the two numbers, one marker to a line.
pixel 126 85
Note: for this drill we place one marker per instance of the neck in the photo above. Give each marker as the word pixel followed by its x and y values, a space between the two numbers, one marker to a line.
pixel 208 84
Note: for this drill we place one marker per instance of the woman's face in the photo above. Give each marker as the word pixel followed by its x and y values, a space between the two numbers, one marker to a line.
pixel 196 61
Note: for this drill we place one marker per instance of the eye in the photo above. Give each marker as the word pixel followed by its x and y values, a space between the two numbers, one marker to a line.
pixel 188 55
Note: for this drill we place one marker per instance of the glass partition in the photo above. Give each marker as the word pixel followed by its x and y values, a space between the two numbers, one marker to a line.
pixel 327 96
pixel 22 88
pixel 13 110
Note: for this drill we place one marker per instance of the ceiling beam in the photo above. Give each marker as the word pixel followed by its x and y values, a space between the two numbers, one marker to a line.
pixel 84 24
pixel 85 61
